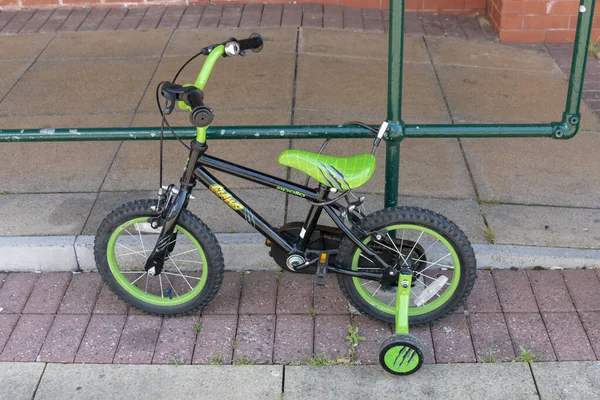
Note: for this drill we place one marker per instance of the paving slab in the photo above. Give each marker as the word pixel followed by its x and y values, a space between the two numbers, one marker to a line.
pixel 514 291
pixel 64 338
pixel 584 288
pixel 176 340
pixel 109 303
pixel 295 293
pixel 81 295
pixel 207 382
pixel 483 297
pixel 550 291
pixel 330 336
pixel 101 339
pixel 426 100
pixel 109 44
pixel 259 294
pixel 214 343
pixel 228 298
pixel 568 337
pixel 591 324
pixel 491 339
pixel 23 47
pixel 47 214
pixel 188 42
pixel 543 226
pixel 16 290
pixel 7 325
pixel 505 96
pixel 329 299
pixel 27 338
pixel 47 293
pixel 578 380
pixel 462 381
pixel 374 332
pixel 38 253
pixel 61 78
pixel 254 339
pixel 452 340
pixel 423 333
pixel 481 53
pixel 20 380
pixel 357 45
pixel 528 333
pixel 524 171
pixel 12 72
pixel 138 340
pixel 293 338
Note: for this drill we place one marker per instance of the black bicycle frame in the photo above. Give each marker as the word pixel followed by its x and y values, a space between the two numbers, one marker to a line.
pixel 317 195
pixel 196 171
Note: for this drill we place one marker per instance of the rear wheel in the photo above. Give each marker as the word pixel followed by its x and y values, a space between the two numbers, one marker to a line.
pixel 192 272
pixel 437 251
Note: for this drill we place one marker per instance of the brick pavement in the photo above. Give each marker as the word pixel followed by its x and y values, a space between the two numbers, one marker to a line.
pixel 271 319
pixel 240 15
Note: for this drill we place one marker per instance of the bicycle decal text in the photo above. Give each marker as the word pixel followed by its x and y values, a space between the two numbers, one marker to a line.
pixel 226 197
pixel 294 192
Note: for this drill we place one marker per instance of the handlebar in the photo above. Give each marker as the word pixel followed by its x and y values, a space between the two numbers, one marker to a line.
pixel 254 43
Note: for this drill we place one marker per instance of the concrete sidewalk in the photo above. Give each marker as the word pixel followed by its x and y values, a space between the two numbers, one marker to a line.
pixel 539 195
pixel 578 380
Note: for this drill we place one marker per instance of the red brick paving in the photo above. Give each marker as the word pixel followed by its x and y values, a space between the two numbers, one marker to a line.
pixel 452 340
pixel 176 340
pixel 92 325
pixel 568 337
pixel 550 291
pixel 47 293
pixel 527 330
pixel 215 339
pixel 584 288
pixel 514 291
pixel 293 338
pixel 15 291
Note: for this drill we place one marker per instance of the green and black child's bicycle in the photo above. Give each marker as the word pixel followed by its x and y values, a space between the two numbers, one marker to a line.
pixel 405 265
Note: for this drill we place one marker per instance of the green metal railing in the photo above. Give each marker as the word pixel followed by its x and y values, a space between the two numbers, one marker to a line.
pixel 565 128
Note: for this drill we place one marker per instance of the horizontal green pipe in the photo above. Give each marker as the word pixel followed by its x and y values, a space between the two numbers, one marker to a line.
pixel 216 132
pixel 479 130
pixel 274 132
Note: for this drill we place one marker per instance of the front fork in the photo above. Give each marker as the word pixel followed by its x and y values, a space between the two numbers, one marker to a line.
pixel 166 240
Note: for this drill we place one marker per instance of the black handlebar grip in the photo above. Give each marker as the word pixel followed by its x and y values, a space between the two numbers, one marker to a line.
pixel 254 43
pixel 193 97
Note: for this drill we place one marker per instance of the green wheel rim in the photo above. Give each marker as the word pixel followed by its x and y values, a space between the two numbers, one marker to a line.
pixel 401 359
pixel 139 293
pixel 412 311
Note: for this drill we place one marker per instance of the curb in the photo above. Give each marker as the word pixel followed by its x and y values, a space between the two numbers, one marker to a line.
pixel 247 251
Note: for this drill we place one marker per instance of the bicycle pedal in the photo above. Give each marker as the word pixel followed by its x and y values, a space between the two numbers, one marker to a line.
pixel 321 275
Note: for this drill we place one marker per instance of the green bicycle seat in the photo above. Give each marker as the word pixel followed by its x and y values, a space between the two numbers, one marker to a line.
pixel 342 173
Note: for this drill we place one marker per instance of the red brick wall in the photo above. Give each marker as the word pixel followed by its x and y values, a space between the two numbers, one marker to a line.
pixel 438 6
pixel 537 21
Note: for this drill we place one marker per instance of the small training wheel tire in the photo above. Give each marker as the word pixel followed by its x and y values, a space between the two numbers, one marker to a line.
pixel 401 354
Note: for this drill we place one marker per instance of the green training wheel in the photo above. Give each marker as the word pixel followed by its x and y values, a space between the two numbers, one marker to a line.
pixel 401 354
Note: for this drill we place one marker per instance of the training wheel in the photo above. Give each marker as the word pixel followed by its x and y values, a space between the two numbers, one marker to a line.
pixel 401 354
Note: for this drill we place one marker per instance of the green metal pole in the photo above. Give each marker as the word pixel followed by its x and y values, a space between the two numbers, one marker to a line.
pixel 580 54
pixel 394 102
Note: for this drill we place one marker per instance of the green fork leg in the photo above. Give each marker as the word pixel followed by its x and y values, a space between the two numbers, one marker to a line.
pixel 402 301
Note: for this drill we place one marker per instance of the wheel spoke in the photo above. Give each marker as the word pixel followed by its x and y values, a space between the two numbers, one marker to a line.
pixel 139 277
pixel 180 273
pixel 367 282
pixel 132 251
pixel 394 244
pixel 185 252
pixel 435 263
pixel 430 277
pixel 367 258
pixel 186 276
pixel 429 248
pixel 172 287
pixel 414 246
pixel 376 290
pixel 161 289
pixel 441 265
pixel 188 261
pixel 141 240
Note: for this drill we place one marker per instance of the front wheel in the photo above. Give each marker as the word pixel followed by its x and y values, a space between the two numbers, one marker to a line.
pixel 438 252
pixel 193 268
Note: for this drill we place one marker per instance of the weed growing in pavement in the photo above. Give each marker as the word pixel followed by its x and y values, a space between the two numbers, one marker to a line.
pixel 488 357
pixel 526 356
pixel 313 313
pixel 353 338
pixel 321 360
pixel 243 361
pixel 217 359
pixel 177 360
pixel 489 234
pixel 197 327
